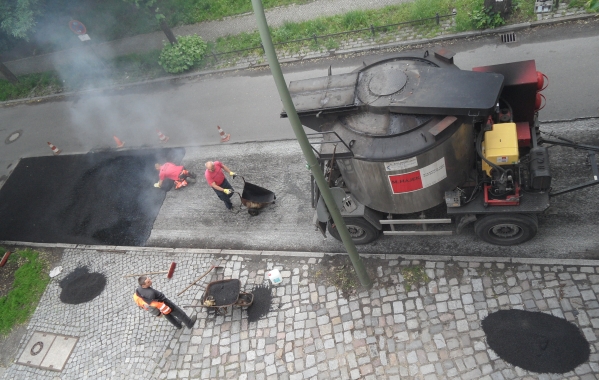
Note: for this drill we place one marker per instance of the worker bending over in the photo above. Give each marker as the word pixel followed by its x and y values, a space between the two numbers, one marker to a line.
pixel 175 172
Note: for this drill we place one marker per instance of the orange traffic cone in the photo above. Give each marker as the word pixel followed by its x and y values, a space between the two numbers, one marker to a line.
pixel 55 150
pixel 224 137
pixel 162 137
pixel 119 143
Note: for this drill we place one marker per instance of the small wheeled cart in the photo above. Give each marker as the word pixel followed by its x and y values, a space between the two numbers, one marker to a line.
pixel 255 197
pixel 219 295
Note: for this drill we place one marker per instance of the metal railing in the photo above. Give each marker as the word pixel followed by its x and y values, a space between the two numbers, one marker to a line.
pixel 372 29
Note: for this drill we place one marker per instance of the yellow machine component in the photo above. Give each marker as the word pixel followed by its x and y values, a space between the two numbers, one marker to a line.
pixel 500 146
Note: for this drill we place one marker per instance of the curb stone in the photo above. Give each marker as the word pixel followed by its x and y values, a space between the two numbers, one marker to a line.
pixel 173 251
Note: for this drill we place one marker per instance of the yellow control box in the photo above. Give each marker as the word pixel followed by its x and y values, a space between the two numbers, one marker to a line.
pixel 500 146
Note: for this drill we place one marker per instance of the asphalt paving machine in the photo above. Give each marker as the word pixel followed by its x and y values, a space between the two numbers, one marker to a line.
pixel 413 140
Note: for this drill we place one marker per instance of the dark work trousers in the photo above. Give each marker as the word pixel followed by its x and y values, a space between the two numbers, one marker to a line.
pixel 177 316
pixel 224 197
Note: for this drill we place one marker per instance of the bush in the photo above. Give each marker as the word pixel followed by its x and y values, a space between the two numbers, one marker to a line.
pixel 184 55
pixel 592 5
pixel 486 19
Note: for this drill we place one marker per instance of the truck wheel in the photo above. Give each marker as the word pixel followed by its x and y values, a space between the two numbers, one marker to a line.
pixel 506 229
pixel 359 229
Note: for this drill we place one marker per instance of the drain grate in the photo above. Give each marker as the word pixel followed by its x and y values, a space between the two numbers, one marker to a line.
pixel 506 38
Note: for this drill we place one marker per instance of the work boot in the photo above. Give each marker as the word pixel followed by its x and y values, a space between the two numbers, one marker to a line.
pixel 192 321
pixel 192 175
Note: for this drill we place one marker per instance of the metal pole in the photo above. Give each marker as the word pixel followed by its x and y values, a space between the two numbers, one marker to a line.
pixel 277 74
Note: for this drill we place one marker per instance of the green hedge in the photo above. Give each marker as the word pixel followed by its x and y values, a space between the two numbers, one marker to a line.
pixel 183 55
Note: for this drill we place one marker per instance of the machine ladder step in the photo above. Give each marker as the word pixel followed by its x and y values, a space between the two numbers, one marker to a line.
pixel 415 221
pixel 408 233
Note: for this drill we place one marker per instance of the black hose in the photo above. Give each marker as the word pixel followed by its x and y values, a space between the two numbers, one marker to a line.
pixel 510 108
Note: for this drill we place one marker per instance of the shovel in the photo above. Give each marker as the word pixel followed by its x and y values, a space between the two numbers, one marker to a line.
pixel 213 264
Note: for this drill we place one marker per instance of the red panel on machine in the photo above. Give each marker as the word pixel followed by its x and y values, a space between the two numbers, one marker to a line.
pixel 407 182
pixel 515 73
pixel 523 131
pixel 510 200
pixel 519 87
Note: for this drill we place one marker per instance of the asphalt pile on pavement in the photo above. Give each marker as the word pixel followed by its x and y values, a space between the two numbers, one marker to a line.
pixel 81 286
pixel 261 305
pixel 536 341
pixel 225 292
pixel 96 198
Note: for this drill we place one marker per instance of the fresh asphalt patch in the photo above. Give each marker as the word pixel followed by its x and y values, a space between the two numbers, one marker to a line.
pixel 536 341
pixel 96 198
pixel 261 305
pixel 81 286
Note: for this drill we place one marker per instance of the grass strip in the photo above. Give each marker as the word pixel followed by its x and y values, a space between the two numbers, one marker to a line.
pixel 29 284
pixel 31 85
pixel 194 11
pixel 358 19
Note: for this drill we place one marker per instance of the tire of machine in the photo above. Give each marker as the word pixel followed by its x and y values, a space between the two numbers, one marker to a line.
pixel 360 230
pixel 507 229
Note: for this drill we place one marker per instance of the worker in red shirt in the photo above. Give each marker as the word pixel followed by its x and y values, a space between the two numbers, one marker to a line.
pixel 175 172
pixel 216 179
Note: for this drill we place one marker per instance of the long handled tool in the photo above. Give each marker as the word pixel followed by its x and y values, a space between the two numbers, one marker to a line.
pixel 169 272
pixel 213 264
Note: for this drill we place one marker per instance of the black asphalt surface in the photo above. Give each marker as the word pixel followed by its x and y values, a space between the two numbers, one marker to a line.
pixel 81 286
pixel 262 301
pixel 224 292
pixel 95 198
pixel 536 341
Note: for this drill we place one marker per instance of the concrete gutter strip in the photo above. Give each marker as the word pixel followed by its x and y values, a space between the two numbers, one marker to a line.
pixel 461 35
pixel 292 254
pixel 418 257
pixel 482 259
pixel 199 251
pixel 268 254
pixel 578 262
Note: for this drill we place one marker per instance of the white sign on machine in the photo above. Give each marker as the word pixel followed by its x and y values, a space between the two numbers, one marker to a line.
pixel 417 179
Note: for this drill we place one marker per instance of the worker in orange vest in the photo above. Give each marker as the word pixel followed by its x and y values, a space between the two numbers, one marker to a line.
pixel 158 305
pixel 177 173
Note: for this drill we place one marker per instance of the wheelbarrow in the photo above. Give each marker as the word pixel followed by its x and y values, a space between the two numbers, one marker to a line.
pixel 220 295
pixel 254 197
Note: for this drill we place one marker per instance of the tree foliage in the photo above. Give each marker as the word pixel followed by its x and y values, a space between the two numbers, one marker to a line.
pixel 18 17
pixel 150 6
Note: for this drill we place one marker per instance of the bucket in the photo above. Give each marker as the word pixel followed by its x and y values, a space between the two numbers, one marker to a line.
pixel 275 276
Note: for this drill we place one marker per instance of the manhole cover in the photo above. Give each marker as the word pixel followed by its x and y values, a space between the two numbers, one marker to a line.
pixel 13 137
pixel 48 351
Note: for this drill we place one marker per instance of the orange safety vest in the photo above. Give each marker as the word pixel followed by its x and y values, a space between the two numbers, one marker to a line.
pixel 161 306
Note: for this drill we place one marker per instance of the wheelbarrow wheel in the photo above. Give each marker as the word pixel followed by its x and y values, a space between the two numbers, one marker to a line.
pixel 253 211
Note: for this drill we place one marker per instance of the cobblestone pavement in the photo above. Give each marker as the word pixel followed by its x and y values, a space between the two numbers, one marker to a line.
pixel 399 329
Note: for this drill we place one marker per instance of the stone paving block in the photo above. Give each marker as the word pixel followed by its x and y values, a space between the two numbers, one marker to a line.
pixel 324 334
